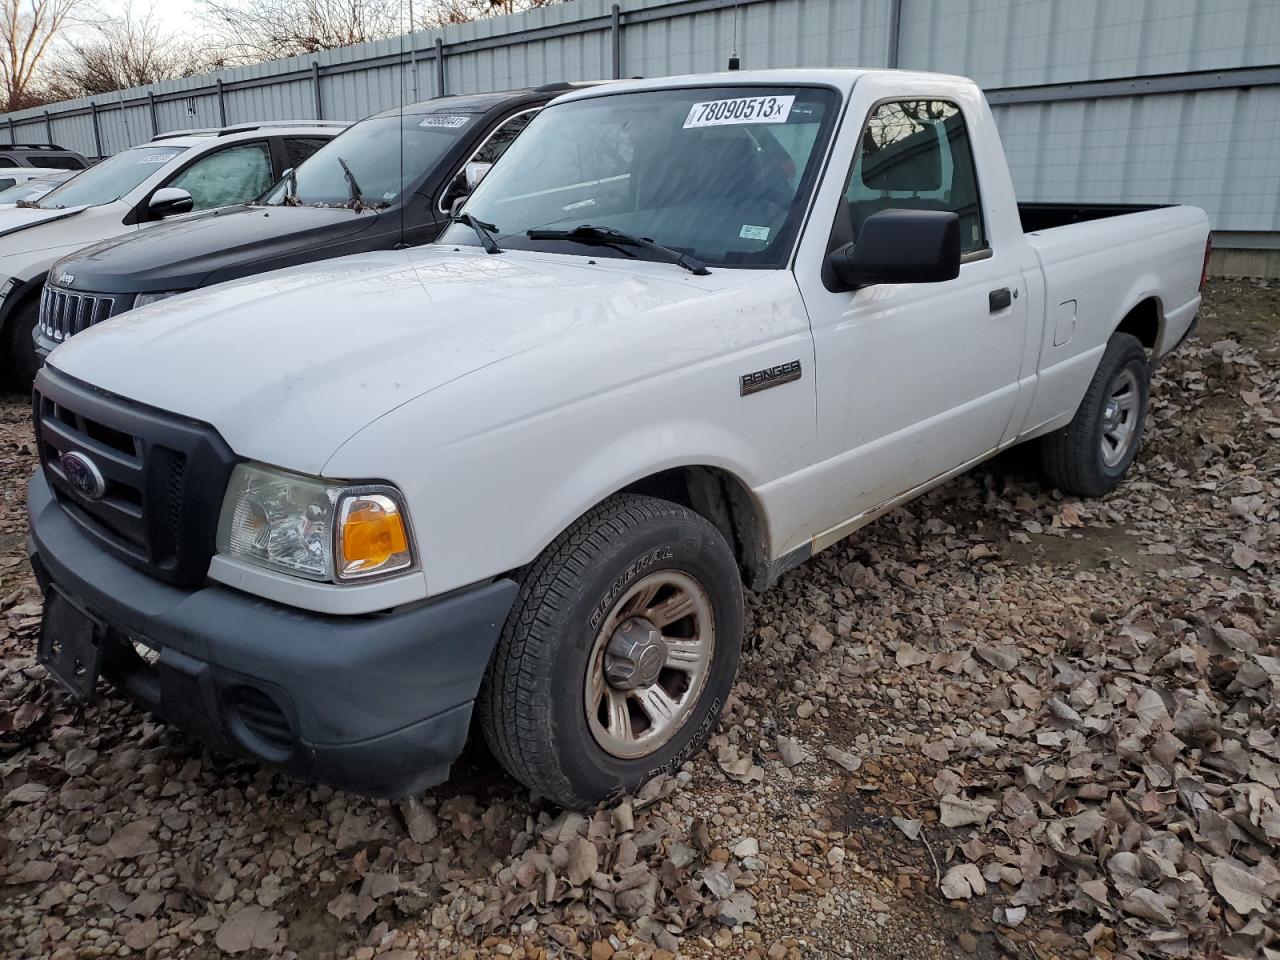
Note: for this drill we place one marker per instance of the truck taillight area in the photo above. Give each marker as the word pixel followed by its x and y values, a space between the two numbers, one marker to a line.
pixel 1204 271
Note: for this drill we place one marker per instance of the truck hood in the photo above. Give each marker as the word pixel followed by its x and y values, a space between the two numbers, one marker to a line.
pixel 182 254
pixel 289 365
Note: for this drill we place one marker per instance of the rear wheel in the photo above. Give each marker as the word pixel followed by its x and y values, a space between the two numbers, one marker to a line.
pixel 19 344
pixel 1092 453
pixel 619 654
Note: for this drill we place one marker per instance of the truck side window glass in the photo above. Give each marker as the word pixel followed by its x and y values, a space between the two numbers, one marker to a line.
pixel 8 162
pixel 233 175
pixel 297 149
pixel 915 155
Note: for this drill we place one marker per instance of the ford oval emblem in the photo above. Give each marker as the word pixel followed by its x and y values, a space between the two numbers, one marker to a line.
pixel 83 475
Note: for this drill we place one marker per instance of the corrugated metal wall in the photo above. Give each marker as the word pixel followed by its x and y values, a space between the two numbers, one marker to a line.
pixel 1074 126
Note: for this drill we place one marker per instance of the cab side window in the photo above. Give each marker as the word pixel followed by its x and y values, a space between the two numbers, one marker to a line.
pixel 228 176
pixel 8 162
pixel 297 149
pixel 915 155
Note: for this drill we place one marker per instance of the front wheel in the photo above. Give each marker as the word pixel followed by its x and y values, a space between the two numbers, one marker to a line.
pixel 20 346
pixel 619 654
pixel 1092 453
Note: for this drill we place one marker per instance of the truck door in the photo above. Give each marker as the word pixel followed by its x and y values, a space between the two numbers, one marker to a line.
pixel 914 380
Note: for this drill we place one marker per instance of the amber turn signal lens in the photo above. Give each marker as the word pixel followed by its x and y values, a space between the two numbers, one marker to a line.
pixel 374 539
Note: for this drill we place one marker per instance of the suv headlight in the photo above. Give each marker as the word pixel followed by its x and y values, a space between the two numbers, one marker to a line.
pixel 142 299
pixel 313 528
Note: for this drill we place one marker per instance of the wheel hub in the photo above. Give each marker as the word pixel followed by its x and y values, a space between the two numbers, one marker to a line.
pixel 635 655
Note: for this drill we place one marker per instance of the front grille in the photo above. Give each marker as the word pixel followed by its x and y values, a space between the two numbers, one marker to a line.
pixel 63 314
pixel 162 476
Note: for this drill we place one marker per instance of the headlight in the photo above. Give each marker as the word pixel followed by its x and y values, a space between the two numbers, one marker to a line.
pixel 313 528
pixel 144 298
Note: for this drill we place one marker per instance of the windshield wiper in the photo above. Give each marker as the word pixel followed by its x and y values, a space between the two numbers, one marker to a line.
pixel 484 231
pixel 357 197
pixel 586 233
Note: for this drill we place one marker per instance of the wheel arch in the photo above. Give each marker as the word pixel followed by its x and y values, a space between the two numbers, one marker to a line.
pixel 721 497
pixel 1144 321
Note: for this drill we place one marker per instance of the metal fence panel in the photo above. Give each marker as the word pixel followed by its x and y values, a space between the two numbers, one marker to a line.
pixel 1003 43
pixel 1208 137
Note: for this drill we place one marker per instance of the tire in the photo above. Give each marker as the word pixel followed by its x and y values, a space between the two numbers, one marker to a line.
pixel 1086 456
pixel 19 344
pixel 579 606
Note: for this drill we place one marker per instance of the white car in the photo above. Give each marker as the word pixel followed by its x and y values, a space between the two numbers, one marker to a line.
pixel 685 334
pixel 21 176
pixel 172 174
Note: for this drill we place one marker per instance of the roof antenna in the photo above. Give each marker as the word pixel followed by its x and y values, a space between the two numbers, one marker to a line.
pixel 400 197
pixel 734 62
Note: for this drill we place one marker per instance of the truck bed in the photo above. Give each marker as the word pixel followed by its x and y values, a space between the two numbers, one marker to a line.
pixel 1045 216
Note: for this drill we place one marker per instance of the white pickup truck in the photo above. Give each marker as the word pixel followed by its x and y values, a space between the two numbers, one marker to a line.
pixel 685 334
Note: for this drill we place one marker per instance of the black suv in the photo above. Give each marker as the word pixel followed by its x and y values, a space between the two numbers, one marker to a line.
pixel 40 155
pixel 386 182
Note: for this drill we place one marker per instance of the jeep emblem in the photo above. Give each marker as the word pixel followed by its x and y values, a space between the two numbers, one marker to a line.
pixel 66 279
pixel 83 475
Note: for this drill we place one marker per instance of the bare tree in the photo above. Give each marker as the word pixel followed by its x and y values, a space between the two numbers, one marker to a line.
pixel 250 31
pixel 443 13
pixel 26 29
pixel 131 51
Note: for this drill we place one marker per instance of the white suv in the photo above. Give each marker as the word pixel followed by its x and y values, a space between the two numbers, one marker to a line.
pixel 173 174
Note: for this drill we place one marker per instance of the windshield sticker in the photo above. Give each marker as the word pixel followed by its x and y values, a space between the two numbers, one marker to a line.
pixel 716 113
pixel 749 232
pixel 453 122
pixel 155 158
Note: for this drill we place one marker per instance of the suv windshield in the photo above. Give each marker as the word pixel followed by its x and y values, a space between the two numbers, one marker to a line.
pixel 371 152
pixel 112 178
pixel 720 173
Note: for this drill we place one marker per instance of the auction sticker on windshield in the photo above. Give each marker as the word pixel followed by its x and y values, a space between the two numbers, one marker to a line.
pixel 717 113
pixel 444 120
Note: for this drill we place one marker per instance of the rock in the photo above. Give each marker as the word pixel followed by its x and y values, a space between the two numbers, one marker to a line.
pixel 844 758
pixel 820 638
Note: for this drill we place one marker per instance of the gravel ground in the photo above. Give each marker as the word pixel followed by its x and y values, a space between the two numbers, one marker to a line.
pixel 995 723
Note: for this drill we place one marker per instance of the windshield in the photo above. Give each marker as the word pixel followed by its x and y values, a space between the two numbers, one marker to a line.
pixel 721 173
pixel 112 178
pixel 32 189
pixel 371 152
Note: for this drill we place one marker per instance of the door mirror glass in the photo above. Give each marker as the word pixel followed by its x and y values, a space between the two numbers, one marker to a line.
pixel 475 172
pixel 167 201
pixel 900 246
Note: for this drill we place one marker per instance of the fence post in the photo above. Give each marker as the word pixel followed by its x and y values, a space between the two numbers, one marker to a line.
pixel 895 32
pixel 13 137
pixel 222 105
pixel 48 127
pixel 151 107
pixel 97 130
pixel 615 39
pixel 439 66
pixel 315 86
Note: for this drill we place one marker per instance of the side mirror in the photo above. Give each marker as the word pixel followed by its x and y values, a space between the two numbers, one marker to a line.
pixel 900 246
pixel 475 171
pixel 167 201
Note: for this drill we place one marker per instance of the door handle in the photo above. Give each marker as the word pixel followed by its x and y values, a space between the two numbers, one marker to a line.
pixel 1000 299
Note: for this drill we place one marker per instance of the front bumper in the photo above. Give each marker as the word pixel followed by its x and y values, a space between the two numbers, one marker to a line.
pixel 44 344
pixel 377 705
